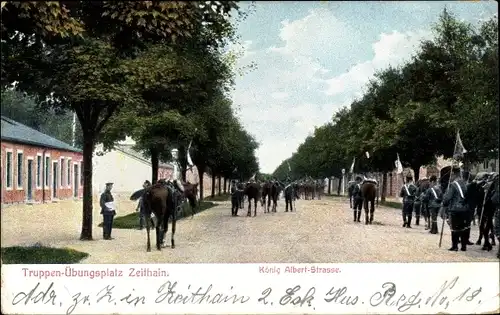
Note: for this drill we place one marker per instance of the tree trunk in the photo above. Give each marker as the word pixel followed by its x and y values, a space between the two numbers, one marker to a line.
pixel 416 170
pixel 329 185
pixel 340 185
pixel 200 183
pixel 88 151
pixel 384 187
pixel 219 183
pixel 213 186
pixel 155 163
pixel 225 185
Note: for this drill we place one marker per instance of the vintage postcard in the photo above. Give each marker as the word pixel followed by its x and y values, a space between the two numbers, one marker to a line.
pixel 265 157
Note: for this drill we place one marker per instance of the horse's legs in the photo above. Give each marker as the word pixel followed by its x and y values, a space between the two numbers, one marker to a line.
pixel 174 222
pixel 165 228
pixel 365 205
pixel 486 232
pixel 372 210
pixel 249 213
pixel 148 228
pixel 159 232
pixel 254 207
pixel 268 203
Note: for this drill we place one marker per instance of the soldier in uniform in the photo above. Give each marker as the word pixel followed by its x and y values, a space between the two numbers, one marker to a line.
pixel 408 192
pixel 495 200
pixel 358 199
pixel 107 213
pixel 418 203
pixel 457 210
pixel 432 200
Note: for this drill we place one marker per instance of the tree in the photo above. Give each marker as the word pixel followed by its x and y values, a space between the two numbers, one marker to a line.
pixel 90 73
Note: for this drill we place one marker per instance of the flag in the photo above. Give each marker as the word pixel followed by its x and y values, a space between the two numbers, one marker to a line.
pixel 367 155
pixel 459 151
pixel 352 165
pixel 289 168
pixel 188 155
pixel 235 170
pixel 253 177
pixel 399 166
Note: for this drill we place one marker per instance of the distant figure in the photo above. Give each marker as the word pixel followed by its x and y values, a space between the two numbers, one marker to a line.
pixel 408 192
pixel 108 211
pixel 358 199
pixel 141 208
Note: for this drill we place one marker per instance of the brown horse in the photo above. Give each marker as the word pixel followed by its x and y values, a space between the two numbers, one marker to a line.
pixel 369 193
pixel 252 191
pixel 190 191
pixel 159 201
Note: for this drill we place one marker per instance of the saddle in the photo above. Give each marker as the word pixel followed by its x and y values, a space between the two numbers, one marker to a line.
pixel 370 180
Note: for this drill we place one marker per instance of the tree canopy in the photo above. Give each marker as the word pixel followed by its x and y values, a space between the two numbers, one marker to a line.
pixel 414 110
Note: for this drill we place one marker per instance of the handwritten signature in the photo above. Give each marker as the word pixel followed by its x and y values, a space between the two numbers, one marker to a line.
pixel 172 292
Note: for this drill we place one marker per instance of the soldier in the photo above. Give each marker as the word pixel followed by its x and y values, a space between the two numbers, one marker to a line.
pixel 108 211
pixel 358 199
pixel 472 188
pixel 408 192
pixel 432 200
pixel 495 201
pixel 417 203
pixel 457 210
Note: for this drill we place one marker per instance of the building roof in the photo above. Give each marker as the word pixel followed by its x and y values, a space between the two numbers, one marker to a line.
pixel 127 149
pixel 19 133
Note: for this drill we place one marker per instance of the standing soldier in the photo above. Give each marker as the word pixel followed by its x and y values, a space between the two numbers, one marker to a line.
pixel 358 199
pixel 458 210
pixel 108 211
pixel 432 200
pixel 408 192
pixel 418 202
pixel 496 203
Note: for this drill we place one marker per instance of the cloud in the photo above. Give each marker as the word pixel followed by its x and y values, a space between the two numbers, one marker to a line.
pixel 302 81
pixel 391 49
pixel 279 95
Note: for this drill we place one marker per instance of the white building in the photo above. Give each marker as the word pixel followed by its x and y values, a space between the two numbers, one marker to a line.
pixel 125 167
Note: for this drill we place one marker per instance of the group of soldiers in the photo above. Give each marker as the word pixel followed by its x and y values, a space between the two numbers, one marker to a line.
pixel 458 205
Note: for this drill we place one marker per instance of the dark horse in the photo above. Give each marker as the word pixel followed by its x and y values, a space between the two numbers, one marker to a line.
pixel 252 191
pixel 158 200
pixel 189 192
pixel 369 193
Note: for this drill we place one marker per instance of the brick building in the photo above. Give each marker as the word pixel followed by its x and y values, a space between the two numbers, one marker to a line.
pixel 36 167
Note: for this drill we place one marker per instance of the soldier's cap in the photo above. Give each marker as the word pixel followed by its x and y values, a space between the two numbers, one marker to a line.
pixel 109 184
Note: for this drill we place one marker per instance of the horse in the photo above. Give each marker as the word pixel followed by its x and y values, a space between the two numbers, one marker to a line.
pixel 252 191
pixel 276 188
pixel 350 190
pixel 190 192
pixel 369 193
pixel 266 195
pixel 158 200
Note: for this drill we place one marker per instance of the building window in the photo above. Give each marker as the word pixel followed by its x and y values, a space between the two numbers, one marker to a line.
pixel 68 168
pixel 38 170
pixel 20 160
pixel 62 172
pixel 47 171
pixel 8 166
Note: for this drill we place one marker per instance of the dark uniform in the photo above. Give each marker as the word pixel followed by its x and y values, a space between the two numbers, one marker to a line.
pixel 458 211
pixel 408 192
pixel 496 228
pixel 358 200
pixel 417 204
pixel 432 200
pixel 107 214
pixel 235 199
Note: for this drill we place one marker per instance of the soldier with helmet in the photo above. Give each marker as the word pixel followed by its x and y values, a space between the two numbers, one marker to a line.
pixel 408 192
pixel 457 210
pixel 432 200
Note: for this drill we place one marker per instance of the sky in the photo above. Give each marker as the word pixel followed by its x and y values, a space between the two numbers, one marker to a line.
pixel 315 57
